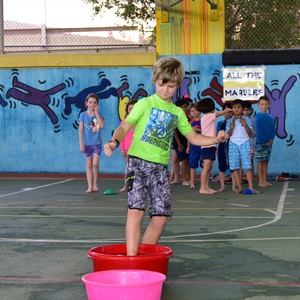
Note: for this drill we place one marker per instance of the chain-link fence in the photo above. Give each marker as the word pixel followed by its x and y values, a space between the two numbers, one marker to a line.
pixel 34 33
pixel 249 24
pixel 262 24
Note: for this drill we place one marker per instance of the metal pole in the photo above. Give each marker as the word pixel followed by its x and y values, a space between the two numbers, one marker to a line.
pixel 1 28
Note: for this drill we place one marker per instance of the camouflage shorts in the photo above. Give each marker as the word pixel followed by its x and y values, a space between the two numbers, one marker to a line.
pixel 148 183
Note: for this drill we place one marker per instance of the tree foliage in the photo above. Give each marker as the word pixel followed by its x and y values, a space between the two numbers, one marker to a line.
pixel 249 24
pixel 262 24
pixel 139 13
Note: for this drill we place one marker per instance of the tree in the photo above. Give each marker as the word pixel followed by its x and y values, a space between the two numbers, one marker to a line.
pixel 261 24
pixel 139 13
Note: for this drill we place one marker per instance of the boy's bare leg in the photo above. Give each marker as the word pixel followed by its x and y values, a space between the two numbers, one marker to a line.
pixel 89 174
pixel 133 231
pixel 205 174
pixel 249 176
pixel 184 172
pixel 192 175
pixel 95 172
pixel 175 168
pixel 238 181
pixel 265 171
pixel 262 170
pixel 222 182
pixel 154 229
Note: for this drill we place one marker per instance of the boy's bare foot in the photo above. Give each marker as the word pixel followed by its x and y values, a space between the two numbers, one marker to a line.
pixel 88 191
pixel 254 191
pixel 122 189
pixel 192 186
pixel 238 190
pixel 269 184
pixel 95 189
pixel 174 182
pixel 221 190
pixel 263 185
pixel 186 183
pixel 207 191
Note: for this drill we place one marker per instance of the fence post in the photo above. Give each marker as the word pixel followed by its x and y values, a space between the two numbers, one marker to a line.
pixel 1 28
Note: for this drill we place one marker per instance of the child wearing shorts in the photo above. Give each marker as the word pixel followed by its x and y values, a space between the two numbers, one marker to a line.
pixel 239 129
pixel 90 143
pixel 156 118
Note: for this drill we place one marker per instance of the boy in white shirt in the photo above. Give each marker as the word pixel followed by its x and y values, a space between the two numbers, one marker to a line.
pixel 239 129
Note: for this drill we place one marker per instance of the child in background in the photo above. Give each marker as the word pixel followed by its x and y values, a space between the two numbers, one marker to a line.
pixel 90 143
pixel 265 134
pixel 239 129
pixel 194 151
pixel 180 159
pixel 125 144
pixel 156 118
pixel 223 151
pixel 247 110
pixel 208 152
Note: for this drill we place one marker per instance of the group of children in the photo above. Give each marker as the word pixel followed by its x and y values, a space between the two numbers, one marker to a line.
pixel 236 154
pixel 154 120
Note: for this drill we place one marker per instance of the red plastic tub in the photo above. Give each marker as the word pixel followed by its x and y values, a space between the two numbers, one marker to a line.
pixel 113 257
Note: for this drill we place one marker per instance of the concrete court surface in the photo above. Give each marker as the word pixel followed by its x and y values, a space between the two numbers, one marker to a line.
pixel 226 246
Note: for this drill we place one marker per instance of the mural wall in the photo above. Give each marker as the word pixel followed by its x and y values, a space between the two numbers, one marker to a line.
pixel 39 110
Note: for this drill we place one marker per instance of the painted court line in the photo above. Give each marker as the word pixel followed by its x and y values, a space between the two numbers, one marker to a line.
pixel 11 240
pixel 242 205
pixel 124 216
pixel 277 214
pixel 34 188
pixel 171 282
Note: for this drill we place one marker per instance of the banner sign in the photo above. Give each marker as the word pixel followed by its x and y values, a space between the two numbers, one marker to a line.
pixel 243 83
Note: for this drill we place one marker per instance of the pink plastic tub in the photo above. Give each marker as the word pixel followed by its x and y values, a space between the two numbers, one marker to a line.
pixel 124 284
pixel 113 257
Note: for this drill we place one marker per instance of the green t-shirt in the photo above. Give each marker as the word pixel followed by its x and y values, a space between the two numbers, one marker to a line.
pixel 155 121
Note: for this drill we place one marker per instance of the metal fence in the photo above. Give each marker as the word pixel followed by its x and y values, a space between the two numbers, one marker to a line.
pixel 35 35
pixel 262 24
pixel 249 24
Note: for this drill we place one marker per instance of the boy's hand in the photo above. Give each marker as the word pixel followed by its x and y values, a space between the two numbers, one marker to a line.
pixel 110 147
pixel 270 143
pixel 243 121
pixel 222 136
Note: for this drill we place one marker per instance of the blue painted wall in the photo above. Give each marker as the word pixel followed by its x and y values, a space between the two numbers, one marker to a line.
pixel 39 109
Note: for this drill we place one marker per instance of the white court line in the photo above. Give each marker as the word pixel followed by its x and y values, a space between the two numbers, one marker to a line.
pixel 242 205
pixel 187 201
pixel 277 213
pixel 35 188
pixel 94 241
pixel 145 217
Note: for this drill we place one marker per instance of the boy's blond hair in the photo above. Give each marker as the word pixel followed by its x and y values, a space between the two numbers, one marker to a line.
pixel 193 105
pixel 168 69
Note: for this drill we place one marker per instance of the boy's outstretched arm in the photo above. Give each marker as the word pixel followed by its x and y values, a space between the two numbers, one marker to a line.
pixel 117 137
pixel 202 140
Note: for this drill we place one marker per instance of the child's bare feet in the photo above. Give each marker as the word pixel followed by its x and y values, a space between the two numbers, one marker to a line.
pixel 95 188
pixel 207 191
pixel 174 182
pixel 88 190
pixel 238 190
pixel 269 184
pixel 262 184
pixel 122 189
pixel 186 183
pixel 221 190
pixel 192 186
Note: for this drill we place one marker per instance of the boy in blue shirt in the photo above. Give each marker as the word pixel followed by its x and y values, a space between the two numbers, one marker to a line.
pixel 265 134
